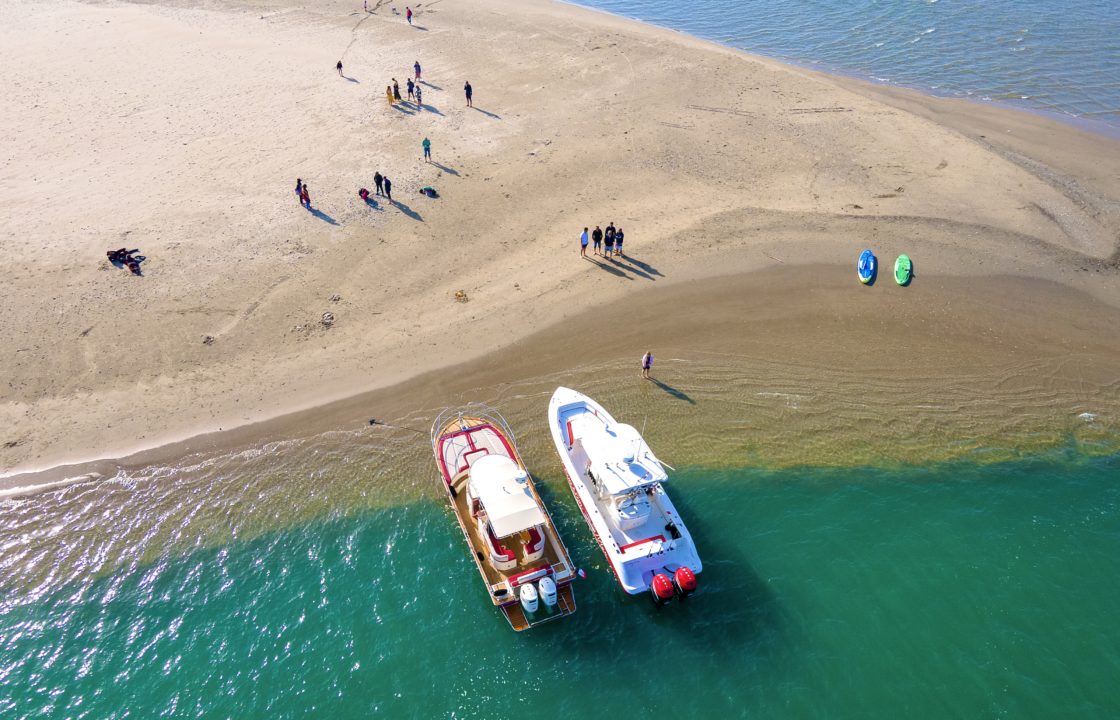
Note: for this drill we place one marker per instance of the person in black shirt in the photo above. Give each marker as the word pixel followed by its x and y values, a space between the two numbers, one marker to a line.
pixel 377 180
pixel 597 240
pixel 608 236
pixel 618 237
pixel 388 188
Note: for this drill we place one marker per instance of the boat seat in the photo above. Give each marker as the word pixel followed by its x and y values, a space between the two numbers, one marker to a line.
pixel 535 547
pixel 502 556
pixel 468 458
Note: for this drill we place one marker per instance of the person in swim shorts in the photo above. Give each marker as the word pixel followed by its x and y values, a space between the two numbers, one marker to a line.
pixel 647 364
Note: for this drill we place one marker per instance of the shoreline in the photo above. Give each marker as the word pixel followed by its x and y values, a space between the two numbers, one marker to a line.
pixel 1072 178
pixel 1099 128
pixel 726 334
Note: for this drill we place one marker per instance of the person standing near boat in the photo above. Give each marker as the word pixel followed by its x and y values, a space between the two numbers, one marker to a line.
pixel 647 364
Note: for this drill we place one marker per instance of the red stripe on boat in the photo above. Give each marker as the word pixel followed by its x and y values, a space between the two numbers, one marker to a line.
pixel 636 543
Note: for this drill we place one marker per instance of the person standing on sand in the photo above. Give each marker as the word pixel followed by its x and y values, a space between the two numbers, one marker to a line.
pixel 583 243
pixel 470 93
pixel 389 93
pixel 408 14
pixel 396 91
pixel 597 239
pixel 427 144
pixel 411 88
pixel 377 179
pixel 608 244
pixel 388 188
pixel 647 364
pixel 618 236
pixel 305 197
pixel 419 100
pixel 339 68
pixel 416 67
pixel 299 190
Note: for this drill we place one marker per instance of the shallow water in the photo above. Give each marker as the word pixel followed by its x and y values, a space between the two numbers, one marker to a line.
pixel 1056 57
pixel 960 590
pixel 324 576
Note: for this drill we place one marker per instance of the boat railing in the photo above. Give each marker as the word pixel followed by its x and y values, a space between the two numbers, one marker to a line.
pixel 474 410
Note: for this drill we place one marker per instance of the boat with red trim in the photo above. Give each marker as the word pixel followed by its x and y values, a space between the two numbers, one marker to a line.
pixel 619 485
pixel 519 554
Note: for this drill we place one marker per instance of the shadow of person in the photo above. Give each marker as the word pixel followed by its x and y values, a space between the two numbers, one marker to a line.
pixel 487 113
pixel 322 216
pixel 430 108
pixel 678 394
pixel 444 168
pixel 407 210
pixel 353 80
pixel 374 205
pixel 420 27
pixel 433 86
pixel 609 268
pixel 639 264
pixel 636 271
pixel 404 107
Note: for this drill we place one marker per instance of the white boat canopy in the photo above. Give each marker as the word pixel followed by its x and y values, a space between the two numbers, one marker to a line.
pixel 621 460
pixel 503 489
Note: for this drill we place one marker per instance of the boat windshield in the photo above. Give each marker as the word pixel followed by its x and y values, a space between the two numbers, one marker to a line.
pixel 502 486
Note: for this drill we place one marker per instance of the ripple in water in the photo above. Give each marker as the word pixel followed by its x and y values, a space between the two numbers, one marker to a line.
pixel 1056 57
pixel 325 577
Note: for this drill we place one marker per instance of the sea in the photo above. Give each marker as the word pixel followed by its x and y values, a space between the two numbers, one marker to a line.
pixel 1060 58
pixel 923 557
pixel 325 576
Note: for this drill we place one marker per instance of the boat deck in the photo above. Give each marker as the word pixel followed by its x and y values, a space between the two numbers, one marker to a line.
pixel 496 578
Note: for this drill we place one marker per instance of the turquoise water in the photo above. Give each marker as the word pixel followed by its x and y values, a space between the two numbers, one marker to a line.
pixel 254 586
pixel 1061 57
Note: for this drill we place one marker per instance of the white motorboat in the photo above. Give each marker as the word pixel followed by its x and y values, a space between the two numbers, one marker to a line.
pixel 514 543
pixel 619 485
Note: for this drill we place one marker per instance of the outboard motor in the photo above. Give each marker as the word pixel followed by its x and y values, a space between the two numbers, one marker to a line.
pixel 684 580
pixel 528 597
pixel 547 588
pixel 661 589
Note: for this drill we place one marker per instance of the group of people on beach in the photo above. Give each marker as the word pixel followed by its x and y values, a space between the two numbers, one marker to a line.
pixel 412 86
pixel 605 243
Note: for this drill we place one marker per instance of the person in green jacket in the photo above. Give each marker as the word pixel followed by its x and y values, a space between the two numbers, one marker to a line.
pixel 427 150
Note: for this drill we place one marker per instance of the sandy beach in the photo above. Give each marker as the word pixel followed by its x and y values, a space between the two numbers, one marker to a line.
pixel 746 189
